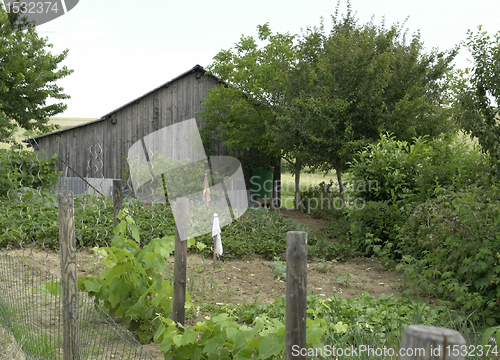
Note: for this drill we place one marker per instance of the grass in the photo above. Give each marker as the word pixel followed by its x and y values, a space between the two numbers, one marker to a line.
pixel 9 349
pixel 306 180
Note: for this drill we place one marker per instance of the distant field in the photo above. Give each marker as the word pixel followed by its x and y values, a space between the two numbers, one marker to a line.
pixel 63 122
pixel 68 122
pixel 306 180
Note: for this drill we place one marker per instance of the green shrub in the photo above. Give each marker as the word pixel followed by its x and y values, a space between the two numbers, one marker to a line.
pixel 376 226
pixel 394 176
pixel 398 171
pixel 22 168
pixel 450 247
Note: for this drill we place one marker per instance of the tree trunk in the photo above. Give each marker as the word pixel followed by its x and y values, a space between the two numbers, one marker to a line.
pixel 341 188
pixel 298 167
pixel 277 186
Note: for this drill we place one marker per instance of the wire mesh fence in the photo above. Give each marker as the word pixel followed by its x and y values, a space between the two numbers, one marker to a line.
pixel 31 309
pixel 30 284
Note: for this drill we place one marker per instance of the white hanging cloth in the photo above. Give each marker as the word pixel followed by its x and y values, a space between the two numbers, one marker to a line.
pixel 216 235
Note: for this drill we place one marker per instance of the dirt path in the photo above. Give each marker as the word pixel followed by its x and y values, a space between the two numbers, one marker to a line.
pixel 317 226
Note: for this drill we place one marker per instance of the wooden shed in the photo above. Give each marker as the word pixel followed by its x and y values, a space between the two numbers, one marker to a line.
pixel 98 149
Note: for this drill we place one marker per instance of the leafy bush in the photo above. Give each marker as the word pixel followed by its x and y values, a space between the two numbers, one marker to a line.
pixel 376 226
pixel 132 286
pixel 22 224
pixel 397 171
pixel 450 248
pixel 32 216
pixel 394 176
pixel 20 168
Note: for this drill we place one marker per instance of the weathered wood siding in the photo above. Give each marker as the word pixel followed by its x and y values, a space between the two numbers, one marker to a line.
pixel 99 148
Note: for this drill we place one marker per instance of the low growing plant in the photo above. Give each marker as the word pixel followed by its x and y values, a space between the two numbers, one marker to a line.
pixel 132 284
pixel 450 249
pixel 279 268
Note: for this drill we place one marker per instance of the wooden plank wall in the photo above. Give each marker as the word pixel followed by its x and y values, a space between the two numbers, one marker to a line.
pixel 100 148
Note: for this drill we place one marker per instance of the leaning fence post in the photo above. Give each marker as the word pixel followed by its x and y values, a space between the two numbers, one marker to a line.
pixel 296 293
pixel 117 199
pixel 180 260
pixel 431 343
pixel 69 287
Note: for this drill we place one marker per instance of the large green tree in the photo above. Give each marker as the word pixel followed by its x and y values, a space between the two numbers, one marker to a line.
pixel 28 72
pixel 316 99
pixel 477 93
pixel 378 80
pixel 246 111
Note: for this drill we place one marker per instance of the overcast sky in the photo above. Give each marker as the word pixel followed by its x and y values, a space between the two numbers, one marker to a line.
pixel 121 49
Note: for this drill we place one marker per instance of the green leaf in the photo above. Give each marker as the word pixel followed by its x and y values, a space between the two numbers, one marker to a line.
pixel 340 327
pixel 92 284
pixel 214 343
pixel 113 299
pixel 219 318
pixel 54 287
pixel 121 228
pixel 145 337
pixel 200 246
pixel 314 333
pixel 109 274
pixel 244 353
pixel 271 345
pixel 488 334
pixel 135 234
pixel 159 333
pixel 188 337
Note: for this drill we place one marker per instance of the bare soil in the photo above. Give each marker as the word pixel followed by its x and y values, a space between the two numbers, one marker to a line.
pixel 239 281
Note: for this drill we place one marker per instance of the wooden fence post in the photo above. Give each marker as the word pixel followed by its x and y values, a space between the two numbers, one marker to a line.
pixel 69 286
pixel 431 343
pixel 296 293
pixel 180 260
pixel 117 199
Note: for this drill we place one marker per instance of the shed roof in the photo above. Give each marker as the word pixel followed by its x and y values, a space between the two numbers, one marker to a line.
pixel 196 68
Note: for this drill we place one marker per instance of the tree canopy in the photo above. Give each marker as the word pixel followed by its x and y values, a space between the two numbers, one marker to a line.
pixel 477 93
pixel 246 111
pixel 28 72
pixel 383 83
pixel 315 99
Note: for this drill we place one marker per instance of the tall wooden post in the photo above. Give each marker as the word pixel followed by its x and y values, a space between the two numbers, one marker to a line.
pixel 180 260
pixel 296 293
pixel 117 200
pixel 431 343
pixel 69 287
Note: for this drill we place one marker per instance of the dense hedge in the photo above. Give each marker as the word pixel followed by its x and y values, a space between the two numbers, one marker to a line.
pixel 450 248
pixel 21 168
pixel 401 176
pixel 397 171
pixel 435 215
